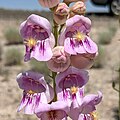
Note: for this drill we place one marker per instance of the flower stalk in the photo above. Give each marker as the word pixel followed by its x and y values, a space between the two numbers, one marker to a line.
pixel 54 86
pixel 68 51
pixel 61 27
pixel 55 31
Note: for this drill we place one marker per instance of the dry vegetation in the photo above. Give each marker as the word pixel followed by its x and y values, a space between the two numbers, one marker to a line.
pixel 101 75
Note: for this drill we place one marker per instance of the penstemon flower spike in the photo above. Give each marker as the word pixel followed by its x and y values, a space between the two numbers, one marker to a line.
pixel 68 51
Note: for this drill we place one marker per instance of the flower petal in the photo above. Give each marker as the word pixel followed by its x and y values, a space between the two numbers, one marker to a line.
pixel 42 51
pixel 74 113
pixel 59 115
pixel 80 79
pixel 69 46
pixel 60 105
pixel 31 81
pixel 61 38
pixel 79 48
pixel 49 93
pixel 57 108
pixel 30 106
pixel 90 46
pixel 63 96
pixel 85 117
pixel 51 40
pixel 79 95
pixel 43 98
pixel 78 21
pixel 89 102
pixel 42 108
pixel 23 103
pixel 88 108
pixel 40 21
pixel 27 56
pixel 34 20
pixel 81 62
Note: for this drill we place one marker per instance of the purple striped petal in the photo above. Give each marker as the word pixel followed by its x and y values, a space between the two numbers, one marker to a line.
pixel 69 46
pixel 90 46
pixel 42 51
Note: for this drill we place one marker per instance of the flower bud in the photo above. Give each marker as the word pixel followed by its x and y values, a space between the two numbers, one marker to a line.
pixel 61 13
pixel 60 60
pixel 49 3
pixel 78 9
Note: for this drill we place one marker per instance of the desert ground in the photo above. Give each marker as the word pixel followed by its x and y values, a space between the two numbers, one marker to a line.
pixel 101 76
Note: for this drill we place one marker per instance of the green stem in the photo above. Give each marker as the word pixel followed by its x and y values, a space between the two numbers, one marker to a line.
pixel 55 32
pixel 54 86
pixel 61 28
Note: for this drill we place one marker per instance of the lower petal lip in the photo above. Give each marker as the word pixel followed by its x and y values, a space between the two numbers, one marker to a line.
pixel 69 46
pixel 90 46
pixel 43 51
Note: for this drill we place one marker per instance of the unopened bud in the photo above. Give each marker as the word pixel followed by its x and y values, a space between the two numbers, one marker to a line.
pixel 49 3
pixel 61 13
pixel 78 9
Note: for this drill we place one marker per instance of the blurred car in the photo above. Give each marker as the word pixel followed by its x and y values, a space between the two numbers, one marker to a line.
pixel 114 5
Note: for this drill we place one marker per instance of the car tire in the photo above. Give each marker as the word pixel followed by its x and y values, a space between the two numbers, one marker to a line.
pixel 115 7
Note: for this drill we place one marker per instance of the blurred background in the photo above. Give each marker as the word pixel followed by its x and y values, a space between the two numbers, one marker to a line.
pixel 105 32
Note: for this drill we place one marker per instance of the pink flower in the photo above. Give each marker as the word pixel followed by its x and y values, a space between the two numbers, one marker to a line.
pixel 54 111
pixel 60 60
pixel 35 91
pixel 89 101
pixel 69 83
pixel 70 88
pixel 61 13
pixel 75 38
pixel 49 3
pixel 77 42
pixel 86 107
pixel 38 39
pixel 78 9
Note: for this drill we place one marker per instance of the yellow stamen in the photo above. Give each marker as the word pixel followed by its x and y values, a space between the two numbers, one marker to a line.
pixel 31 92
pixel 79 36
pixel 74 90
pixel 31 42
pixel 94 115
